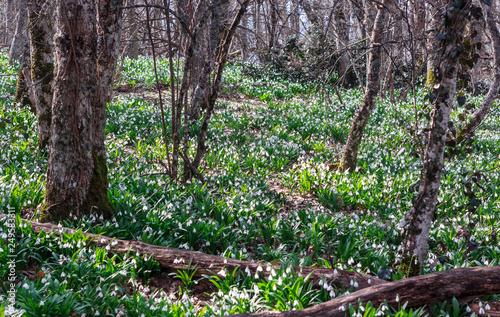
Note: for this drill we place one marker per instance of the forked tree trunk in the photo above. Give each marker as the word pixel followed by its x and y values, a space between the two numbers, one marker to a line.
pixel 214 89
pixel 41 32
pixel 350 154
pixel 76 174
pixel 491 96
pixel 422 212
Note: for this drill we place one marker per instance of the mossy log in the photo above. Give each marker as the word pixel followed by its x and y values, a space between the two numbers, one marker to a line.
pixel 176 259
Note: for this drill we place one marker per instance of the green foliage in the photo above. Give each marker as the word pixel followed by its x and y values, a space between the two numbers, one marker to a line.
pixel 264 163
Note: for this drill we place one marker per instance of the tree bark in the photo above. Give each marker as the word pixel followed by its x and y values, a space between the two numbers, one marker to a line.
pixel 20 39
pixel 416 291
pixel 491 28
pixel 177 259
pixel 76 175
pixel 422 213
pixel 214 90
pixel 109 30
pixel 350 154
pixel 432 52
pixel 346 74
pixel 41 32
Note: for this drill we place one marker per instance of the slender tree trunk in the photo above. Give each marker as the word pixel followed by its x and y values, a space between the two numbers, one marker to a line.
pixel 432 52
pixel 109 29
pixel 258 27
pixel 42 65
pixel 133 30
pixel 22 86
pixel 20 39
pixel 221 63
pixel 492 94
pixel 422 212
pixel 346 73
pixel 350 154
pixel 369 21
pixel 294 19
pixel 76 175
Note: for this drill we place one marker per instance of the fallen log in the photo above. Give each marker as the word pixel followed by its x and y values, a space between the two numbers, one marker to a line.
pixel 177 259
pixel 416 291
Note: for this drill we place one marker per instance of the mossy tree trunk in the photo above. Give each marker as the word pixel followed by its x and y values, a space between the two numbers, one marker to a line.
pixel 421 214
pixel 492 30
pixel 432 52
pixel 41 32
pixel 350 154
pixel 76 175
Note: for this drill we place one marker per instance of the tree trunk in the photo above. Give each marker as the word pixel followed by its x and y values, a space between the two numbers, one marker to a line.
pixel 422 213
pixel 350 154
pixel 177 259
pixel 294 19
pixel 432 52
pixel 492 94
pixel 346 73
pixel 416 291
pixel 133 29
pixel 109 30
pixel 22 94
pixel 76 175
pixel 369 22
pixel 42 65
pixel 20 39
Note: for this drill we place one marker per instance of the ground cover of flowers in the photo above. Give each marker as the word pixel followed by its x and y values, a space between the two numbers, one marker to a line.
pixel 265 132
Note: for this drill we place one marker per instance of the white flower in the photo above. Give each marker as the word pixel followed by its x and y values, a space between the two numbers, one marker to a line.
pixel 468 309
pixel 342 308
pixel 481 311
pixel 26 286
pixel 397 298
pixel 42 303
pixel 487 307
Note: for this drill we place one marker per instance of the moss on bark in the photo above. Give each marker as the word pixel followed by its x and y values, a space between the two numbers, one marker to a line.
pixel 22 95
pixel 409 266
pixel 96 202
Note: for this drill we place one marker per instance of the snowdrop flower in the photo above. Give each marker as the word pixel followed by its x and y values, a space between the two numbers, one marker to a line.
pixel 397 298
pixel 342 308
pixel 26 286
pixel 481 311
pixel 487 307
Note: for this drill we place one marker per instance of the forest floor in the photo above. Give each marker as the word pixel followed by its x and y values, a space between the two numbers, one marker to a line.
pixel 272 195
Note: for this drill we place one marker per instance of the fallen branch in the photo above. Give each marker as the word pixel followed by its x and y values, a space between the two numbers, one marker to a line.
pixel 416 291
pixel 177 259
